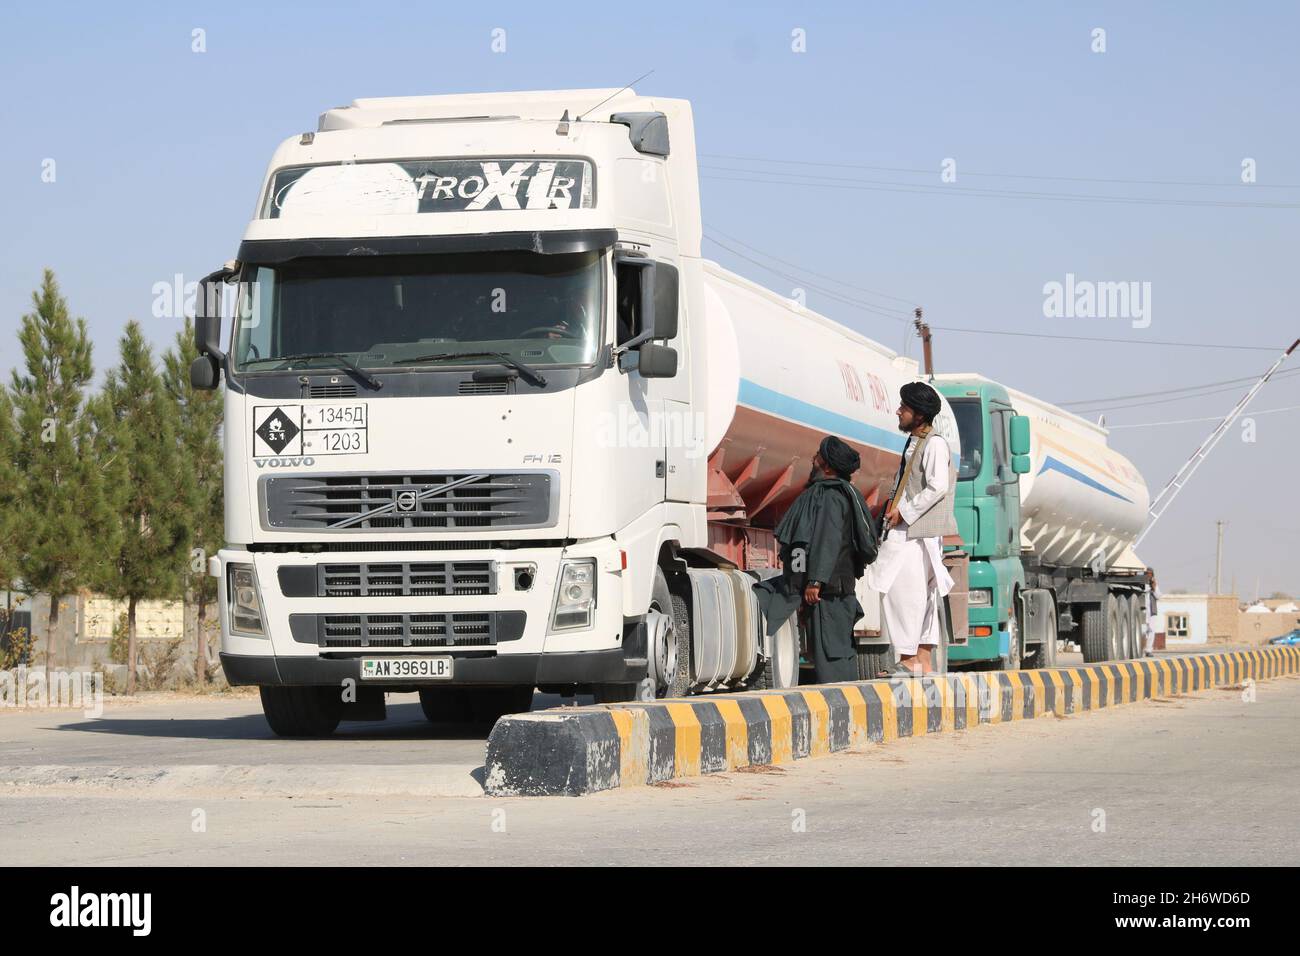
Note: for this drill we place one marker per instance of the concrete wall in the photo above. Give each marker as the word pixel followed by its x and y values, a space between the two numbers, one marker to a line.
pixel 1259 628
pixel 1222 615
pixel 85 628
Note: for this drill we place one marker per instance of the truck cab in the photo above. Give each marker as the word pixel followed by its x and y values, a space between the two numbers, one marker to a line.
pixel 994 453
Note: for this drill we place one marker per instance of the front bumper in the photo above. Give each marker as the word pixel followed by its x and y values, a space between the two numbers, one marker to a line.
pixel 529 669
pixel 510 643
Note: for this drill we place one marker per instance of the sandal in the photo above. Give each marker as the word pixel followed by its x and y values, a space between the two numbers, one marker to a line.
pixel 900 670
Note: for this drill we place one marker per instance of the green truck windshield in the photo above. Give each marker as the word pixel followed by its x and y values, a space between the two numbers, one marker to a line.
pixel 970 426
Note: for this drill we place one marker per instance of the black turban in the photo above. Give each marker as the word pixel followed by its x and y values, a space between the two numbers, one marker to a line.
pixel 839 456
pixel 922 399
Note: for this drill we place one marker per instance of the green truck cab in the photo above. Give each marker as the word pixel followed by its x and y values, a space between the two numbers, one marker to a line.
pixel 994 454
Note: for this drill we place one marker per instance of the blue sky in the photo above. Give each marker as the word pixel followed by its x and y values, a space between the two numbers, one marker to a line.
pixel 160 151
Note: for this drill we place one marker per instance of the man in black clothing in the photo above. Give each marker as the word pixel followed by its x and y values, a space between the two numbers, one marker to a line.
pixel 825 543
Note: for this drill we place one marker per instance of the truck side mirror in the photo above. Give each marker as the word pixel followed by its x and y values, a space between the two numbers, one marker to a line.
pixel 207 312
pixel 1020 464
pixel 665 301
pixel 203 373
pixel 1020 437
pixel 656 361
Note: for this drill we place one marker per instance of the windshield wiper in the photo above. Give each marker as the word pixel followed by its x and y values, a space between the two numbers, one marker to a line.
pixel 341 360
pixel 528 372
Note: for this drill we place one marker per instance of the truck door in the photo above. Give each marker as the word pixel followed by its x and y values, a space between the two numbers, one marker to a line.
pixel 661 404
pixel 1009 519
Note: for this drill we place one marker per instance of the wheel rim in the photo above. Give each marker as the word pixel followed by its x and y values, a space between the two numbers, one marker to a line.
pixel 1112 615
pixel 1013 643
pixel 785 660
pixel 662 656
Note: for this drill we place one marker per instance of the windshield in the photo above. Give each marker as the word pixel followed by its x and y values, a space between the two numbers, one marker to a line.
pixel 389 311
pixel 970 428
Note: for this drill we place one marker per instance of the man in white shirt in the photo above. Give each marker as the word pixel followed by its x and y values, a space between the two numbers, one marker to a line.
pixel 1152 623
pixel 909 572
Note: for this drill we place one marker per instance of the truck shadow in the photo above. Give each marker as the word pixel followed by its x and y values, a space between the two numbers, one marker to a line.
pixel 405 721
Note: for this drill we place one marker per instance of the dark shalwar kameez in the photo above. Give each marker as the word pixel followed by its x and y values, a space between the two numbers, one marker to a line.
pixel 824 537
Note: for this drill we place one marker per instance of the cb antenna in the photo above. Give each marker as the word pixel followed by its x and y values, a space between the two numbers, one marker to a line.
pixel 612 95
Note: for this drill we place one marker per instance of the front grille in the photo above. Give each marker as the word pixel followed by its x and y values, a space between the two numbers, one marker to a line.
pixel 416 630
pixel 404 579
pixel 450 501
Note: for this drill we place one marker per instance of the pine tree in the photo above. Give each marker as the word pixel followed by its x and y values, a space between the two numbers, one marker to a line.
pixel 10 493
pixel 62 512
pixel 199 434
pixel 153 490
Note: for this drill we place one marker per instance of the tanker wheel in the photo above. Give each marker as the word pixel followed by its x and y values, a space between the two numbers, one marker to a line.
pixel 1126 649
pixel 1100 627
pixel 873 659
pixel 1137 624
pixel 782 670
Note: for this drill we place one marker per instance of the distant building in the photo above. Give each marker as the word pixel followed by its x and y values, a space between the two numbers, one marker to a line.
pixel 1199 618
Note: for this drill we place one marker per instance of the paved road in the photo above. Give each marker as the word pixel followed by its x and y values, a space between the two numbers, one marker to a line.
pixel 1205 779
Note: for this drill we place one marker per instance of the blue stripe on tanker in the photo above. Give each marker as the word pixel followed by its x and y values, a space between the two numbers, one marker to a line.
pixel 1052 464
pixel 766 400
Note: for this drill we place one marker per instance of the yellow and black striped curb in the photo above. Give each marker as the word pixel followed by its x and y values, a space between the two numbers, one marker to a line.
pixel 579 750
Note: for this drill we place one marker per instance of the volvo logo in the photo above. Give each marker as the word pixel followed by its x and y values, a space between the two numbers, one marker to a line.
pixel 406 501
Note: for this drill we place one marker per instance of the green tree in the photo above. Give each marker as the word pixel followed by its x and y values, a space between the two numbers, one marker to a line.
pixel 153 488
pixel 62 510
pixel 10 493
pixel 199 434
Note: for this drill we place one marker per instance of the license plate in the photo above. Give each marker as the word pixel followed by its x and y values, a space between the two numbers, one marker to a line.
pixel 406 668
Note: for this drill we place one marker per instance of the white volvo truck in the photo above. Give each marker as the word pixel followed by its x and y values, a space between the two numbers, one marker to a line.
pixel 491 423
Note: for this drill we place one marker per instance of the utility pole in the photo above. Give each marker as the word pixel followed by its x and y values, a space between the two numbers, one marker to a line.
pixel 1218 559
pixel 923 330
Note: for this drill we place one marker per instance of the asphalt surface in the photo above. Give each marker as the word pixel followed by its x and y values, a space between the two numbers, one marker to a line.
pixel 1200 780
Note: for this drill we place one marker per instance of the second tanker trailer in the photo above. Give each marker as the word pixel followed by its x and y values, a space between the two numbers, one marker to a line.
pixel 1048 514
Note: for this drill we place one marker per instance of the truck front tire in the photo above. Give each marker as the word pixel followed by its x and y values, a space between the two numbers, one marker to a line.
pixel 302 711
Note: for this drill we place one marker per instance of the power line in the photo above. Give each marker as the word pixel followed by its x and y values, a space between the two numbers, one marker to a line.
pixel 1159 401
pixel 976 193
pixel 799 268
pixel 1063 179
pixel 1084 338
pixel 1170 391
pixel 1213 418
pixel 899 316
pixel 896 315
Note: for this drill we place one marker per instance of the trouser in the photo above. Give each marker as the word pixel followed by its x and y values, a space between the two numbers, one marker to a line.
pixel 829 624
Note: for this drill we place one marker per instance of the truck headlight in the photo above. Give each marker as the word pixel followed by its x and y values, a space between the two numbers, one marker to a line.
pixel 244 601
pixel 980 597
pixel 575 598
